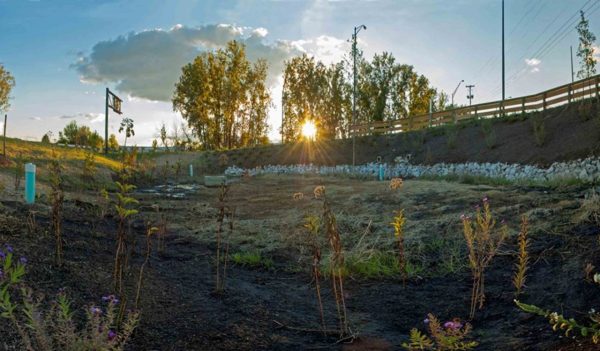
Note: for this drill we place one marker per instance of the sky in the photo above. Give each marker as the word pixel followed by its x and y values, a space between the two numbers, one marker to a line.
pixel 64 53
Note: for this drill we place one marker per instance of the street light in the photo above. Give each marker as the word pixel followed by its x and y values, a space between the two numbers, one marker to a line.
pixel 454 93
pixel 356 30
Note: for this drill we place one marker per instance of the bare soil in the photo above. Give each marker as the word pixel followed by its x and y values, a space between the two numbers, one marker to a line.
pixel 275 308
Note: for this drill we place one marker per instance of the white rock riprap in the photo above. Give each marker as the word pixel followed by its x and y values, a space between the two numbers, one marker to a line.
pixel 587 170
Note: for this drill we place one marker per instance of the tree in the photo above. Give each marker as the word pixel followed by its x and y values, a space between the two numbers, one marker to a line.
pixel 585 51
pixel 74 134
pixel 46 139
pixel 113 143
pixel 304 82
pixel 127 126
pixel 163 136
pixel 223 98
pixel 7 83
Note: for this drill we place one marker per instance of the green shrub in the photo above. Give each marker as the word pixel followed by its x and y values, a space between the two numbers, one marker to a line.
pixel 252 259
pixel 487 127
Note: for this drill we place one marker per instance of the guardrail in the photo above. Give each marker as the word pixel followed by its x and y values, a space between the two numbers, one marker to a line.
pixel 561 95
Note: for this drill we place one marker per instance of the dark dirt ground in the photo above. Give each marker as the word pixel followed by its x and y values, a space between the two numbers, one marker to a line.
pixel 571 131
pixel 181 312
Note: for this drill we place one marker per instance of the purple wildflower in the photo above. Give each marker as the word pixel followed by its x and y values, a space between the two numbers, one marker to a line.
pixel 454 325
pixel 426 320
pixel 486 200
pixel 2 255
pixel 111 335
pixel 23 260
pixel 111 299
pixel 95 310
pixel 9 248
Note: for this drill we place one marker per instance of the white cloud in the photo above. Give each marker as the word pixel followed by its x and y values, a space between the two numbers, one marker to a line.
pixel 533 64
pixel 147 64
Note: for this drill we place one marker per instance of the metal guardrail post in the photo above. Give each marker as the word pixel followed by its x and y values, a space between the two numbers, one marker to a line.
pixel 476 113
pixel 597 87
pixel 570 93
pixel 523 105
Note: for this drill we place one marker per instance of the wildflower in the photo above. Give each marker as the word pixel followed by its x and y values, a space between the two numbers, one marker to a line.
pixel 95 310
pixel 23 260
pixel 454 325
pixel 426 320
pixel 111 335
pixel 9 248
pixel 2 255
pixel 463 217
pixel 485 200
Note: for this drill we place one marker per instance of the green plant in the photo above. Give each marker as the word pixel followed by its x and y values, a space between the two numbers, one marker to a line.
pixel 336 263
pixel 54 326
pixel 223 210
pixel 489 134
pixel 483 240
pixel 178 167
pixel 149 231
pixel 523 257
pixel 398 224
pixel 538 127
pixel 251 259
pixel 57 198
pixel 558 321
pixel 124 214
pixel 19 170
pixel 313 224
pixel 451 336
pixel 451 132
pixel 89 166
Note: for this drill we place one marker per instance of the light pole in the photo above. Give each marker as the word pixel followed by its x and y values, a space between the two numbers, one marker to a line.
pixel 455 90
pixel 356 30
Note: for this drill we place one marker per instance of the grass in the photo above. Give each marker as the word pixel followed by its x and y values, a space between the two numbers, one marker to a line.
pixel 252 259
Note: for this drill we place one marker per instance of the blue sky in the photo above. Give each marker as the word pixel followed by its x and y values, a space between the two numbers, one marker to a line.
pixel 63 53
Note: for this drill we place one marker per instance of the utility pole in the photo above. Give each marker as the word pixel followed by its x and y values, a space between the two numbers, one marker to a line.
pixel 106 123
pixel 572 72
pixel 503 65
pixel 455 90
pixel 354 52
pixel 470 96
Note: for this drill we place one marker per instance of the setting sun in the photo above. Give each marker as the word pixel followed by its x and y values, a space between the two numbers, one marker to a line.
pixel 309 130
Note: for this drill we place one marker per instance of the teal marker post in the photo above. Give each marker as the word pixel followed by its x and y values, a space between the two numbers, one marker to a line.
pixel 191 170
pixel 29 183
pixel 381 173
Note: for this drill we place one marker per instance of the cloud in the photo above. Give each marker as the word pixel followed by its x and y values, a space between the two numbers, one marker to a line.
pixel 147 64
pixel 533 64
pixel 89 116
pixel 35 118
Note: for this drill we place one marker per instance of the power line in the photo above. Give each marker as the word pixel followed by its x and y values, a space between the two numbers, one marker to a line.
pixel 550 43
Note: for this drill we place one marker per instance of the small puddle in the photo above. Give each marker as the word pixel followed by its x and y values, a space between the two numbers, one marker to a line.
pixel 174 191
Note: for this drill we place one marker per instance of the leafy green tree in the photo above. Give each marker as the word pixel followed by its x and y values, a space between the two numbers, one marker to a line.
pixel 46 139
pixel 113 143
pixel 223 98
pixel 163 136
pixel 75 134
pixel 7 83
pixel 304 81
pixel 585 51
pixel 127 126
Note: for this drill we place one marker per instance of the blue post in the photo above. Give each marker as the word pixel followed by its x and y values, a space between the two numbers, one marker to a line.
pixel 381 171
pixel 191 170
pixel 29 183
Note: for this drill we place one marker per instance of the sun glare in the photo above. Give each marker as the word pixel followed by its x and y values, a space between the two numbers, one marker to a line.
pixel 309 130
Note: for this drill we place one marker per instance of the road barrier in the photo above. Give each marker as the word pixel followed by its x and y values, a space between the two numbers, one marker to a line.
pixel 564 94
